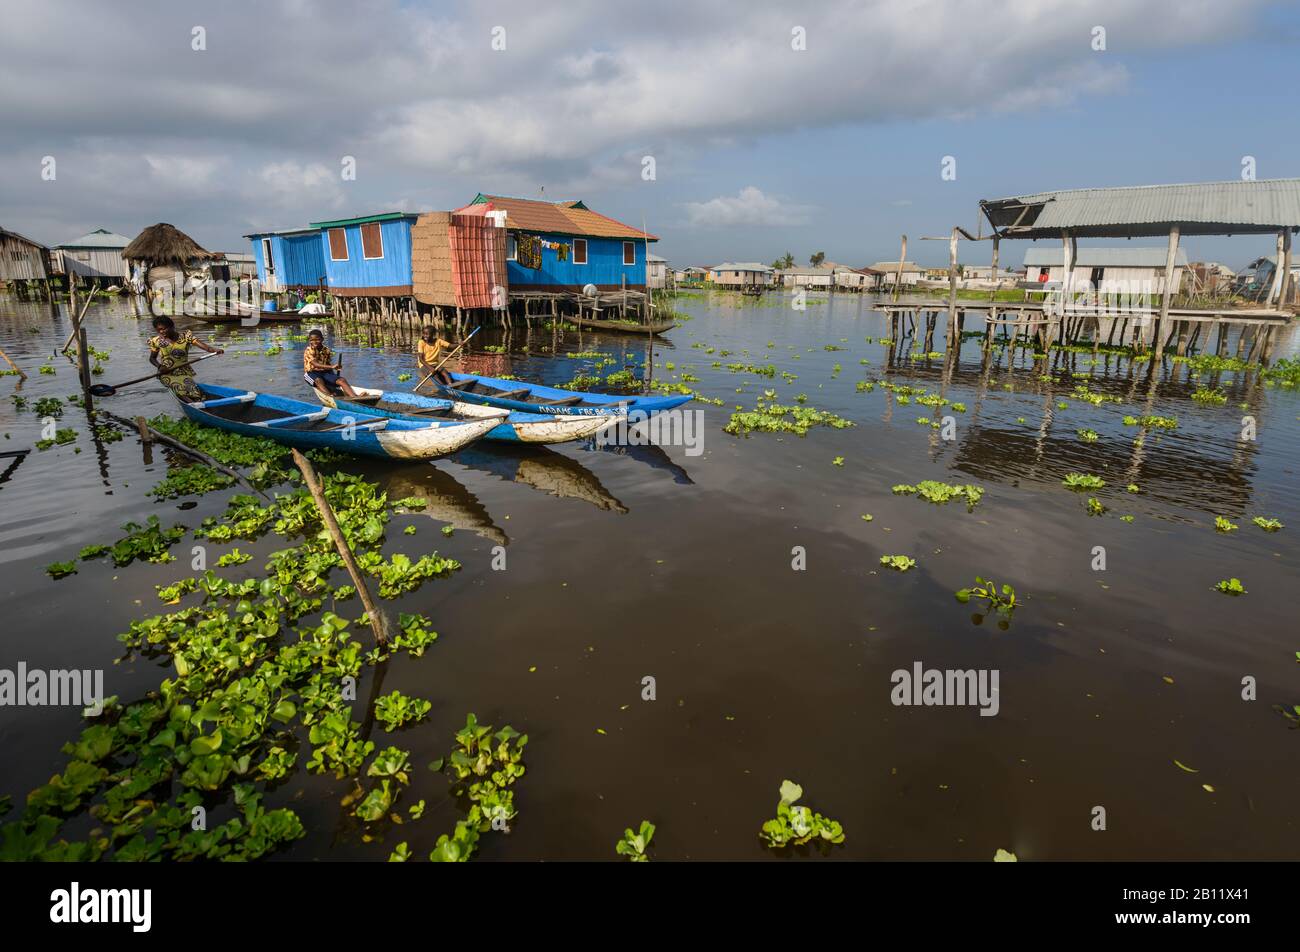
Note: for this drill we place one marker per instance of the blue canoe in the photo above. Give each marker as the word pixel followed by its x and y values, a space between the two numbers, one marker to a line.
pixel 534 398
pixel 512 427
pixel 307 426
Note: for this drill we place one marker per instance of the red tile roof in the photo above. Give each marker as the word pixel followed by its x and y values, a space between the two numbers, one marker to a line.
pixel 563 218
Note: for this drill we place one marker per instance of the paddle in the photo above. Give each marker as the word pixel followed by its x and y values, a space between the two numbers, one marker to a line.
pixel 447 358
pixel 108 389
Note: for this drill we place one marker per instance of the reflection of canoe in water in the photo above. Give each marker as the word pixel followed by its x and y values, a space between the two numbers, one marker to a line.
pixel 306 426
pixel 625 327
pixel 517 427
pixel 447 499
pixel 653 456
pixel 535 398
pixel 542 469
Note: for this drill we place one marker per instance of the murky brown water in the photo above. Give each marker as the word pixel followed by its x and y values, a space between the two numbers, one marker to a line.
pixel 649 562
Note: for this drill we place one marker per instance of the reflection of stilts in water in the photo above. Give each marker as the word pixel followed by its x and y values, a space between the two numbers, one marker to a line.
pixel 16 457
pixel 542 469
pixel 650 454
pixel 447 500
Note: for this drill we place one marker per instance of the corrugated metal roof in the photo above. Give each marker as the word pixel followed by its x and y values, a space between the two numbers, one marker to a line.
pixel 14 234
pixel 740 266
pixel 282 232
pixel 1149 210
pixel 365 219
pixel 1104 257
pixel 99 238
pixel 892 266
pixel 562 218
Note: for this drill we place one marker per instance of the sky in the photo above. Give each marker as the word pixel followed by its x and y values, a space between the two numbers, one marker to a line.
pixel 731 131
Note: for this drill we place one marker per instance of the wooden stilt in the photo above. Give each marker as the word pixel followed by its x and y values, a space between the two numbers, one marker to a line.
pixel 1163 322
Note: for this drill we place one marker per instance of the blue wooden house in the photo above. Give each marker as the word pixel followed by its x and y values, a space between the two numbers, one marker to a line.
pixel 368 256
pixel 564 246
pixel 287 259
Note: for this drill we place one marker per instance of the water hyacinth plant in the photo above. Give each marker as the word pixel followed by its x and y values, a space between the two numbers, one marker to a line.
pixel 796 824
pixel 899 563
pixel 941 493
pixel 633 845
pixel 1003 600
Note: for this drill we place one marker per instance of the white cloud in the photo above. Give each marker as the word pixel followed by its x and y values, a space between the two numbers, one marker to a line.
pixel 750 207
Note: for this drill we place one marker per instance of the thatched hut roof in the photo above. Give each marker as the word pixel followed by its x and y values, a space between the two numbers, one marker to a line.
pixel 164 244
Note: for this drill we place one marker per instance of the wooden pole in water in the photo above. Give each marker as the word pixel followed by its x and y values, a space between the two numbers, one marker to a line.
pixel 1284 262
pixel 379 622
pixel 1279 276
pixel 952 293
pixel 898 278
pixel 1162 322
pixel 17 369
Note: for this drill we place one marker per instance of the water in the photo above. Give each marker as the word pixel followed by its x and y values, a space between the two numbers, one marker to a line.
pixel 649 562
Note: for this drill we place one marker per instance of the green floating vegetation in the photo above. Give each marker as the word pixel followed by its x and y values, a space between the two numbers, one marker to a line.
pixel 147 543
pixel 1001 600
pixel 1082 481
pixel 634 845
pixel 193 480
pixel 397 710
pixel 485 766
pixel 899 563
pixel 61 438
pixel 1225 525
pixel 798 824
pixel 941 493
pixel 1087 435
pixel 1268 525
pixel 1211 396
pixel 48 407
pixel 249 689
pixel 1094 507
pixel 1231 586
pixel 775 418
pixel 58 570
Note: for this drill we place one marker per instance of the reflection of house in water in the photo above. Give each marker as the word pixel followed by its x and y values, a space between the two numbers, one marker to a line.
pixel 542 469
pixel 1192 470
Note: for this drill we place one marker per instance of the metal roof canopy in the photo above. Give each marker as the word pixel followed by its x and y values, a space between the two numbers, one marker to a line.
pixel 1148 211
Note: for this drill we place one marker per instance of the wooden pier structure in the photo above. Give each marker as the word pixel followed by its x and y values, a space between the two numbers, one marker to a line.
pixel 1072 311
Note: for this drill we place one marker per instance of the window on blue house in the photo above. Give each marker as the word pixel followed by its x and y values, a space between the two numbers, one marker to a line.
pixel 338 244
pixel 579 250
pixel 512 249
pixel 629 252
pixel 372 240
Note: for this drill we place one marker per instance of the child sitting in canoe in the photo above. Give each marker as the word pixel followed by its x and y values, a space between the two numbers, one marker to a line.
pixel 321 370
pixel 169 352
pixel 429 350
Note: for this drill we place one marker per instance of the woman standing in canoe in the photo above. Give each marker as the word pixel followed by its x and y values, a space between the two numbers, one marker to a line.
pixel 169 352
pixel 320 368
pixel 429 350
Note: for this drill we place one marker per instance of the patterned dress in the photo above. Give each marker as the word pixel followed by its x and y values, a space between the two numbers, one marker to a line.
pixel 171 353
